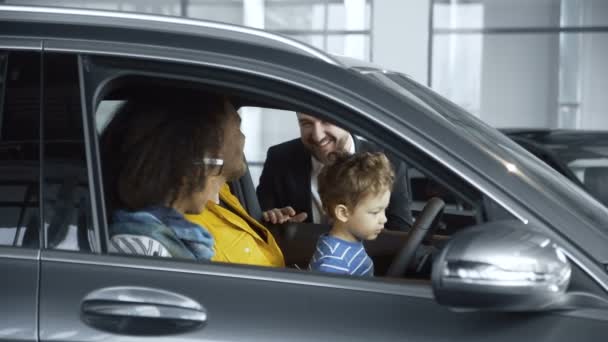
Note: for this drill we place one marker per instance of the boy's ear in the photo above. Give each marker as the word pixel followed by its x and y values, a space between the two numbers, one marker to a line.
pixel 341 213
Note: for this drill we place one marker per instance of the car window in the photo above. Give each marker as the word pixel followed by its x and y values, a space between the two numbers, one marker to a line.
pixel 268 127
pixel 276 129
pixel 67 209
pixel 580 156
pixel 265 127
pixel 424 176
pixel 19 148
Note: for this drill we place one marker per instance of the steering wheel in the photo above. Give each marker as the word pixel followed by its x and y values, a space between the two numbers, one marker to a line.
pixel 423 227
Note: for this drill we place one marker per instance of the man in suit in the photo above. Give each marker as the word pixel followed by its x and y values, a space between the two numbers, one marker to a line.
pixel 288 184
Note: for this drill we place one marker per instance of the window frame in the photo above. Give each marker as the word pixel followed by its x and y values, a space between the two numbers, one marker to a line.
pixel 105 71
pixel 25 45
pixel 295 78
pixel 67 176
pixel 21 292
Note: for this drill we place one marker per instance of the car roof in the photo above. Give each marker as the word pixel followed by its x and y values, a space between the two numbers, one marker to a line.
pixel 159 23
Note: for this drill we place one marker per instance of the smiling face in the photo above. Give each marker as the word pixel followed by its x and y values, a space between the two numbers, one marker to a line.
pixel 322 138
pixel 366 220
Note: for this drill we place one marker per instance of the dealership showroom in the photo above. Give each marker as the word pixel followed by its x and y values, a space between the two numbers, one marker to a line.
pixel 304 170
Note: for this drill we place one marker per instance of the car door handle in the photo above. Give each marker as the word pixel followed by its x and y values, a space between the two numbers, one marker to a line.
pixel 141 311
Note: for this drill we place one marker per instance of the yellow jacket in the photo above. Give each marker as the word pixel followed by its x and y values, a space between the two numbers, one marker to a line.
pixel 235 239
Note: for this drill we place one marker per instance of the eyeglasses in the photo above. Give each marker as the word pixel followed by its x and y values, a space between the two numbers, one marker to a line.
pixel 210 162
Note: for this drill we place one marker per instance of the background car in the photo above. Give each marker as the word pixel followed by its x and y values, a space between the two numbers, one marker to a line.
pixel 581 156
pixel 529 264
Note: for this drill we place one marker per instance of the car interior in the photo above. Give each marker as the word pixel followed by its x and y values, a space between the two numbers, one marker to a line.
pixel 441 207
pixel 442 202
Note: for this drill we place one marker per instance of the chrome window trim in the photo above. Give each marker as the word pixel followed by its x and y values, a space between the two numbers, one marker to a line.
pixel 311 51
pixel 405 137
pixel 23 44
pixel 385 286
pixel 585 269
pixel 19 253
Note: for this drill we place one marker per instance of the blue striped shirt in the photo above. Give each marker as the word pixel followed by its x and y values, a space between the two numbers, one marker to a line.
pixel 335 255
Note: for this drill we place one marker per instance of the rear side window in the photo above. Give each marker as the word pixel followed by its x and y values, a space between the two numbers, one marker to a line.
pixel 19 148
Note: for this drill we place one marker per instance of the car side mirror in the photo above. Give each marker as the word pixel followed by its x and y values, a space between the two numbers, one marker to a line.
pixel 500 266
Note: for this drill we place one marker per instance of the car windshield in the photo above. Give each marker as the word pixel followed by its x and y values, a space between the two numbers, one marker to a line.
pixel 531 170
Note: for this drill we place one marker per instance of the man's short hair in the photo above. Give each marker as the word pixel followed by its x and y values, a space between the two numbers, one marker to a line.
pixel 349 178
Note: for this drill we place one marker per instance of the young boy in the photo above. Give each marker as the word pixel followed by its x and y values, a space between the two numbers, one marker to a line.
pixel 355 191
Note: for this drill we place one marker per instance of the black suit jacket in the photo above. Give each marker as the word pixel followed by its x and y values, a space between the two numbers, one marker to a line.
pixel 285 181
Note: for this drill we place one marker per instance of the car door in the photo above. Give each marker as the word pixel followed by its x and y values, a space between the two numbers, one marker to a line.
pixel 87 294
pixel 19 187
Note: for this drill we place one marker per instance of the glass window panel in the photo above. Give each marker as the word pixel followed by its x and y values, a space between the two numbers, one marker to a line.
pixel 351 15
pixel 458 16
pixel 349 45
pixel 24 231
pixel 593 78
pixel 294 16
pixel 263 128
pixel 19 148
pixel 66 194
pixel 519 14
pixel 228 11
pixel 316 40
pixel 11 192
pixel 457 69
pixel 523 80
pixel 255 169
pixel 164 7
pixel 225 11
pixel 496 14
pixel 594 13
pixel 507 80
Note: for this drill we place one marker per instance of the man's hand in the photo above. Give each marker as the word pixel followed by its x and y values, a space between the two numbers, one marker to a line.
pixel 282 215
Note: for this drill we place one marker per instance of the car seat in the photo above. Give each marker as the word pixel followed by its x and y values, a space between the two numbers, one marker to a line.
pixel 244 190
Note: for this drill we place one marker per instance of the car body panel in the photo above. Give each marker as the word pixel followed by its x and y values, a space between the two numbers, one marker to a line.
pixel 260 304
pixel 19 289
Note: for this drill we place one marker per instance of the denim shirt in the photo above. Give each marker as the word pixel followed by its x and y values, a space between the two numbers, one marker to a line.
pixel 155 221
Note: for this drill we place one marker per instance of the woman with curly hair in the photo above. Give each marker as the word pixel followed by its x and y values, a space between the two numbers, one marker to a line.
pixel 159 155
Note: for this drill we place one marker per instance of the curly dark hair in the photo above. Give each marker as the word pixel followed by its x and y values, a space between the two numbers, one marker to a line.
pixel 349 178
pixel 151 149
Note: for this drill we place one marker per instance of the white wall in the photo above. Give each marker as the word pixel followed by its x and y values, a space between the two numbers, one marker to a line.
pixel 522 13
pixel 594 69
pixel 594 82
pixel 519 80
pixel 400 32
pixel 519 74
